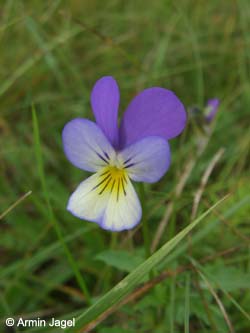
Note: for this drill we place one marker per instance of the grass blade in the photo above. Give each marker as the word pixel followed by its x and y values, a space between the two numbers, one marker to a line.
pixel 206 276
pixel 16 203
pixel 124 287
pixel 56 225
pixel 172 305
pixel 187 304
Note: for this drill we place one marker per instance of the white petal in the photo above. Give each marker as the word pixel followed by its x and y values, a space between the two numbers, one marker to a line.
pixel 124 212
pixel 85 202
pixel 107 198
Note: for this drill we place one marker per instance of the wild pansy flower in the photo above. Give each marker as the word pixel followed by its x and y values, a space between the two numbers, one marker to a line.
pixel 211 109
pixel 138 150
pixel 207 113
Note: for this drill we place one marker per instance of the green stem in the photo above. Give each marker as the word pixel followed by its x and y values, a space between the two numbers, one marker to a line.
pixel 113 243
pixel 145 228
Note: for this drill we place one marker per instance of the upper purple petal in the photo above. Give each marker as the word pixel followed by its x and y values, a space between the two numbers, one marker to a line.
pixel 105 103
pixel 153 112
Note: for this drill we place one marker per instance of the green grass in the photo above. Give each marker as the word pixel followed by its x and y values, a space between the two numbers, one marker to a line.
pixel 53 265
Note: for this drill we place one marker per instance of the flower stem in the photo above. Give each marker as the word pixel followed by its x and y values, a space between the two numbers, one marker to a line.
pixel 145 229
pixel 113 243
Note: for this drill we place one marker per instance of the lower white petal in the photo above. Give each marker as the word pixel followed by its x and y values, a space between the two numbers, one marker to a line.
pixel 85 202
pixel 124 212
pixel 107 198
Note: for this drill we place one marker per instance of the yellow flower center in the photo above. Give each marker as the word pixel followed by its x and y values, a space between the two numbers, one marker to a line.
pixel 113 180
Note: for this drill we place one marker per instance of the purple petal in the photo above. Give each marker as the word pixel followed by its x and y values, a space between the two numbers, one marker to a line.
pixel 105 103
pixel 154 112
pixel 211 109
pixel 86 146
pixel 146 160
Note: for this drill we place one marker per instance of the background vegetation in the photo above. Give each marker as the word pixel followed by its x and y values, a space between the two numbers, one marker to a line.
pixel 53 265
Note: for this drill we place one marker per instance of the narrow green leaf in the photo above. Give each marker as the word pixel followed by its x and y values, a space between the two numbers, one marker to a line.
pixel 56 225
pixel 187 304
pixel 124 287
pixel 172 305
pixel 206 276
